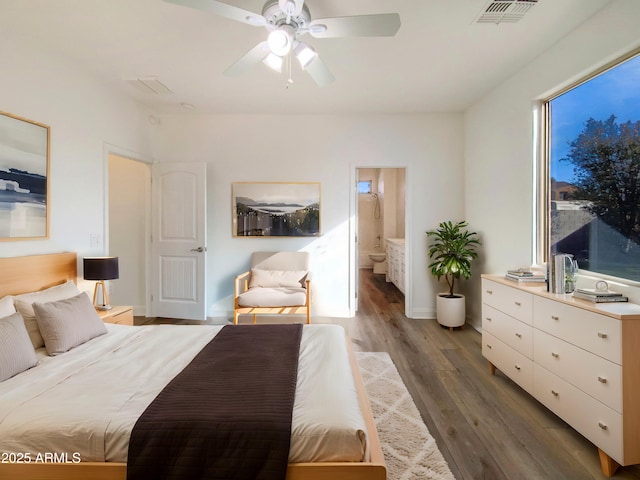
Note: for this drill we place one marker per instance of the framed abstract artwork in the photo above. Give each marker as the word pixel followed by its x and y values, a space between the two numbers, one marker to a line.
pixel 276 209
pixel 24 175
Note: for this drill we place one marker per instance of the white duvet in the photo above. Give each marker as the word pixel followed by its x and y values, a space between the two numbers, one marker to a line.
pixel 87 400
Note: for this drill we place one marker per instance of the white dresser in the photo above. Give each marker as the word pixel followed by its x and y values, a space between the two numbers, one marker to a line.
pixel 581 360
pixel 395 262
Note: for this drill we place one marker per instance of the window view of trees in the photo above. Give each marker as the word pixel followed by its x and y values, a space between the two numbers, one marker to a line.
pixel 595 172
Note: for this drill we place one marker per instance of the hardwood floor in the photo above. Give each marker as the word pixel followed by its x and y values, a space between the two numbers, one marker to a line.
pixel 485 426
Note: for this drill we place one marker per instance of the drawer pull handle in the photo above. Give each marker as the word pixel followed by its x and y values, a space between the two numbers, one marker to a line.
pixel 602 380
pixel 554 317
pixel 490 292
pixel 555 394
pixel 489 346
pixel 517 367
pixel 488 319
pixel 519 335
pixel 602 425
pixel 555 355
pixel 518 304
pixel 602 335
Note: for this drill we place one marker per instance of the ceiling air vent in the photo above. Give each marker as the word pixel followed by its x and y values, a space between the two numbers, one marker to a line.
pixel 505 11
pixel 150 84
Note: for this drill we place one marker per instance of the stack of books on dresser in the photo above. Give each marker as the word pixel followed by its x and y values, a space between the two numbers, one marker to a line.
pixel 599 296
pixel 525 276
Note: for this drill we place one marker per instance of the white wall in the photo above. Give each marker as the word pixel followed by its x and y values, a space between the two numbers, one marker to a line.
pixel 389 199
pixel 401 190
pixel 129 230
pixel 84 115
pixel 499 139
pixel 322 149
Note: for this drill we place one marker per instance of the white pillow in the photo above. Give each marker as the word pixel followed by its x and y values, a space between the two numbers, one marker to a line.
pixel 277 278
pixel 67 323
pixel 6 306
pixel 23 304
pixel 16 352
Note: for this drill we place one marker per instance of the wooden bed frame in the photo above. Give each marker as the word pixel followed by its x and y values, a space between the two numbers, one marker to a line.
pixel 36 272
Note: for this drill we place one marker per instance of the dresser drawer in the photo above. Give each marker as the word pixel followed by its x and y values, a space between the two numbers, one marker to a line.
pixel 593 332
pixel 512 301
pixel 513 332
pixel 597 422
pixel 594 375
pixel 512 363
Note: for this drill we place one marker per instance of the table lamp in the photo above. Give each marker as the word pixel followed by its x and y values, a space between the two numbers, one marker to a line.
pixel 101 269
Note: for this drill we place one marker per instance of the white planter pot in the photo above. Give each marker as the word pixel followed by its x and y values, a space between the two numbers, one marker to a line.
pixel 450 312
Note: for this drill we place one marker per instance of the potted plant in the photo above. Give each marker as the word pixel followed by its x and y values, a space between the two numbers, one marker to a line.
pixel 451 252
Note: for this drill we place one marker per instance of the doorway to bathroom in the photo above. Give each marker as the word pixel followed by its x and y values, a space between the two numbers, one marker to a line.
pixel 380 226
pixel 128 232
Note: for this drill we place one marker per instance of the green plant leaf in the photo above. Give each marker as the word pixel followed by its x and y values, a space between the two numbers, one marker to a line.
pixel 451 252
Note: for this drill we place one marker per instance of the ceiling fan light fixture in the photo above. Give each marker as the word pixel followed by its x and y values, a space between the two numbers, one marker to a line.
pixel 280 42
pixel 305 54
pixel 274 62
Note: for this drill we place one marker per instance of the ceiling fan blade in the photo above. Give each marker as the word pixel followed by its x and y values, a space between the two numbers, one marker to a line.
pixel 320 73
pixel 224 10
pixel 249 59
pixel 378 25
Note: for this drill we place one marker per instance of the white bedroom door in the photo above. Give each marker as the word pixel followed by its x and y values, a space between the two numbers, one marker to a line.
pixel 179 249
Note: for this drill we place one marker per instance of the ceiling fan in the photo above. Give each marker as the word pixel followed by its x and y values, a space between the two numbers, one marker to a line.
pixel 286 20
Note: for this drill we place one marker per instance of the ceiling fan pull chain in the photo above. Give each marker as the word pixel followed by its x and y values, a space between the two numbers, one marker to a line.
pixel 289 80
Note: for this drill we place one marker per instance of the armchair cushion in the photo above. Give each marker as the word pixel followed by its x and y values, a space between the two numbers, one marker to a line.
pixel 277 278
pixel 277 284
pixel 273 297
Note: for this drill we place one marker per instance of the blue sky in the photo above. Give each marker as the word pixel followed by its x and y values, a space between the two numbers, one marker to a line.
pixel 614 92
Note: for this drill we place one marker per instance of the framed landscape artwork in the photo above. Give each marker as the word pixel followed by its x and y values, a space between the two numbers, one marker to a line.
pixel 276 209
pixel 24 173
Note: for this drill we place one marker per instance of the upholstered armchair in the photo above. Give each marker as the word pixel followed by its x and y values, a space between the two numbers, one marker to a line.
pixel 279 283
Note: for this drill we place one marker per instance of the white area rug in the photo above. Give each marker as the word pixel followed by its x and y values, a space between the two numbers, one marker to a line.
pixel 409 449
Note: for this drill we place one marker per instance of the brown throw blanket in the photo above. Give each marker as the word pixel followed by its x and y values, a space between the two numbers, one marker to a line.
pixel 227 415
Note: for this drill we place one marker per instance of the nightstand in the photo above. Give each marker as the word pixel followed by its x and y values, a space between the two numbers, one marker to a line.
pixel 122 315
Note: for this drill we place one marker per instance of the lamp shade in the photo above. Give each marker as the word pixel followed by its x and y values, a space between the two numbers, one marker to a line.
pixel 100 268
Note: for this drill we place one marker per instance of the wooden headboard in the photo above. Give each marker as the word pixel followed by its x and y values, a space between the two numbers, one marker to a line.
pixel 35 272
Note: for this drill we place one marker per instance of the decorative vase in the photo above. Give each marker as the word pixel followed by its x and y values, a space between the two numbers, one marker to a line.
pixel 450 311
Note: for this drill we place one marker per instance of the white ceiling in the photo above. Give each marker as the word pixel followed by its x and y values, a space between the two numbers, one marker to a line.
pixel 440 60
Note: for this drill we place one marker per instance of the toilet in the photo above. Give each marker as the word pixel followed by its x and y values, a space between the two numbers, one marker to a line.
pixel 379 262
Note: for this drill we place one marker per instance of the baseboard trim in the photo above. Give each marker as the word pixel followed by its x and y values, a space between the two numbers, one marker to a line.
pixel 422 313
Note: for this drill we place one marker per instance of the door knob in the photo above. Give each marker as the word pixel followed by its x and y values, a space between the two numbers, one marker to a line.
pixel 199 249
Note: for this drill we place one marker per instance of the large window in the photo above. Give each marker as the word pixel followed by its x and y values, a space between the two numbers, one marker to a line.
pixel 593 150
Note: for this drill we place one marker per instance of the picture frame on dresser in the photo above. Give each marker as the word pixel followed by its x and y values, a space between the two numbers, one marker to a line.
pixel 24 178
